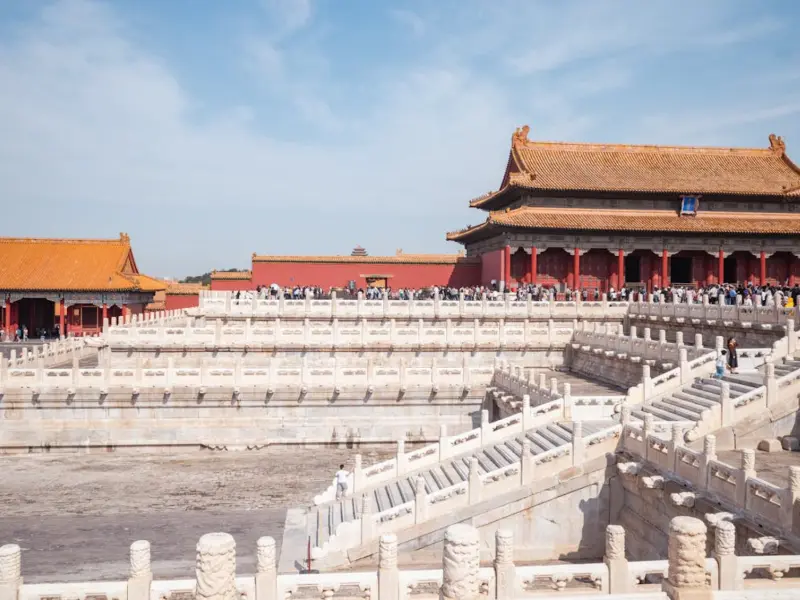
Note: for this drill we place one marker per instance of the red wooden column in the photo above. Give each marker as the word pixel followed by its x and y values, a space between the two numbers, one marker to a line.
pixel 124 312
pixel 534 264
pixel 664 269
pixel 576 269
pixel 507 267
pixel 62 310
pixel 7 323
pixel 721 267
pixel 105 313
pixel 621 269
pixel 792 278
pixel 763 271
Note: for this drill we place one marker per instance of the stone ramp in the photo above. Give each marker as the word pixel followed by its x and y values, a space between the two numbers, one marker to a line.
pixel 327 519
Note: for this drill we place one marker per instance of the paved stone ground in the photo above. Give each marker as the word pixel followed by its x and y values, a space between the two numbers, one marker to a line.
pixel 770 466
pixel 580 385
pixel 75 516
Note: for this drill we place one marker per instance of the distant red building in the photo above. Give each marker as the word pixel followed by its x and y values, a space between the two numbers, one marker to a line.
pixel 398 271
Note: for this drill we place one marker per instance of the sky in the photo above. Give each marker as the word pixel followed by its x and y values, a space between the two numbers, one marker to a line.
pixel 211 130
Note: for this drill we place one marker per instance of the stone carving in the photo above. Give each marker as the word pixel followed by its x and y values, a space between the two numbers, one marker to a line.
pixel 629 468
pixel 504 542
pixel 794 478
pixel 710 445
pixel 685 499
pixel 460 563
pixel 776 143
pixel 652 482
pixel 687 552
pixel 748 460
pixel 265 554
pixel 615 542
pixel 216 567
pixel 715 519
pixel 387 551
pixel 10 563
pixel 725 538
pixel 140 559
pixel 764 545
pixel 521 135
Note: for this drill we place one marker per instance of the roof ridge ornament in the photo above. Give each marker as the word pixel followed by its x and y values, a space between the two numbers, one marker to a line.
pixel 776 144
pixel 520 136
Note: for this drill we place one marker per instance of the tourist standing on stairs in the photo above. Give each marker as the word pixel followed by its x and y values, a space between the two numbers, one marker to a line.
pixel 733 355
pixel 341 482
pixel 721 364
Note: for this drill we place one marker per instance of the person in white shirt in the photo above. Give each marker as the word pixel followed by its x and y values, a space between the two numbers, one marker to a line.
pixel 341 482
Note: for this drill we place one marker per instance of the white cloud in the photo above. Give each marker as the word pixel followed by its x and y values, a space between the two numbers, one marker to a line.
pixel 291 15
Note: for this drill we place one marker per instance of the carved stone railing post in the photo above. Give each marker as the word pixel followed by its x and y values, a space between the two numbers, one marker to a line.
pixel 504 570
pixel 10 571
pixel 771 383
pixel 698 341
pixel 578 446
pixel 617 563
pixel 460 563
pixel 420 500
pixel 567 402
pixel 683 364
pixel 526 412
pixel 747 469
pixel 388 576
pixel 676 442
pixel 709 454
pixel 647 386
pixel 474 482
pixel 141 575
pixel 527 463
pixel 686 551
pixel 266 569
pixel 216 567
pixel 791 509
pixel 724 553
pixel 726 404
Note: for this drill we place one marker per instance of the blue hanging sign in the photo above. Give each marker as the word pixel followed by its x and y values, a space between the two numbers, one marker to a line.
pixel 689 205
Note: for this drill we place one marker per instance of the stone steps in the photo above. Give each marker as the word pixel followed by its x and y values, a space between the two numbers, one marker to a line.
pixel 325 519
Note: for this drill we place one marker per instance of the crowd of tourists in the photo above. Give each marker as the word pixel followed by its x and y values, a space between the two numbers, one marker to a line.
pixel 746 295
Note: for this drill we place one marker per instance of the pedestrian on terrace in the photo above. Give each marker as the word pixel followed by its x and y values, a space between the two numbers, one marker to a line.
pixel 341 482
pixel 733 355
pixel 721 364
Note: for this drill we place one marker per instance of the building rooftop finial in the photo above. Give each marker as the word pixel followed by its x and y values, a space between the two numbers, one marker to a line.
pixel 777 144
pixel 520 135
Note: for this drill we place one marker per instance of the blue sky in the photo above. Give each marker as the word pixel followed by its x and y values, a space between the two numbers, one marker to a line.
pixel 210 130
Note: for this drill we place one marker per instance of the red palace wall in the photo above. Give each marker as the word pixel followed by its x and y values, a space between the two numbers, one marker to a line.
pixel 232 284
pixel 177 302
pixel 337 275
pixel 491 267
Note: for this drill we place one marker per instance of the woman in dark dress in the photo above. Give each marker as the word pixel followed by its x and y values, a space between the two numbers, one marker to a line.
pixel 733 357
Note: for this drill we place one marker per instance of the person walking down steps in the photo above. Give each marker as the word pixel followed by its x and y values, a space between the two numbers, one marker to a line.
pixel 341 482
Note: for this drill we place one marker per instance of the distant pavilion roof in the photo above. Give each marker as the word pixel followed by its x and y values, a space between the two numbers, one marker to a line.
pixel 624 168
pixel 175 288
pixel 648 221
pixel 231 275
pixel 399 258
pixel 75 265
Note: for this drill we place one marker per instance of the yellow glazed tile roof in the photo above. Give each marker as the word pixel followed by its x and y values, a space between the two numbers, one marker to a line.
pixel 559 166
pixel 235 275
pixel 32 264
pixel 655 221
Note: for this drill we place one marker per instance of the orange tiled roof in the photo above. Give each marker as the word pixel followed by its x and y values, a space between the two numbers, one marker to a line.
pixel 29 264
pixel 184 289
pixel 236 275
pixel 399 259
pixel 558 166
pixel 648 221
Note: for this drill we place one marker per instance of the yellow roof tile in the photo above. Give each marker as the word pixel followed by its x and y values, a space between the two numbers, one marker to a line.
pixel 32 264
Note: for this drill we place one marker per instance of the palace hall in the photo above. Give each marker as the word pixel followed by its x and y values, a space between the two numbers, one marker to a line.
pixel 596 216
pixel 65 286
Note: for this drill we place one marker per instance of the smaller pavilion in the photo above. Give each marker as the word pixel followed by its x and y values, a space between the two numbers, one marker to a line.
pixel 596 216
pixel 60 287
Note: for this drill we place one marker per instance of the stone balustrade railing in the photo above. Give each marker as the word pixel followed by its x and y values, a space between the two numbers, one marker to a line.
pixel 149 319
pixel 303 376
pixel 646 348
pixel 363 478
pixel 509 388
pixel 775 315
pixel 224 304
pixel 690 362
pixel 687 572
pixel 366 334
pixel 740 485
pixel 58 351
pixel 475 489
